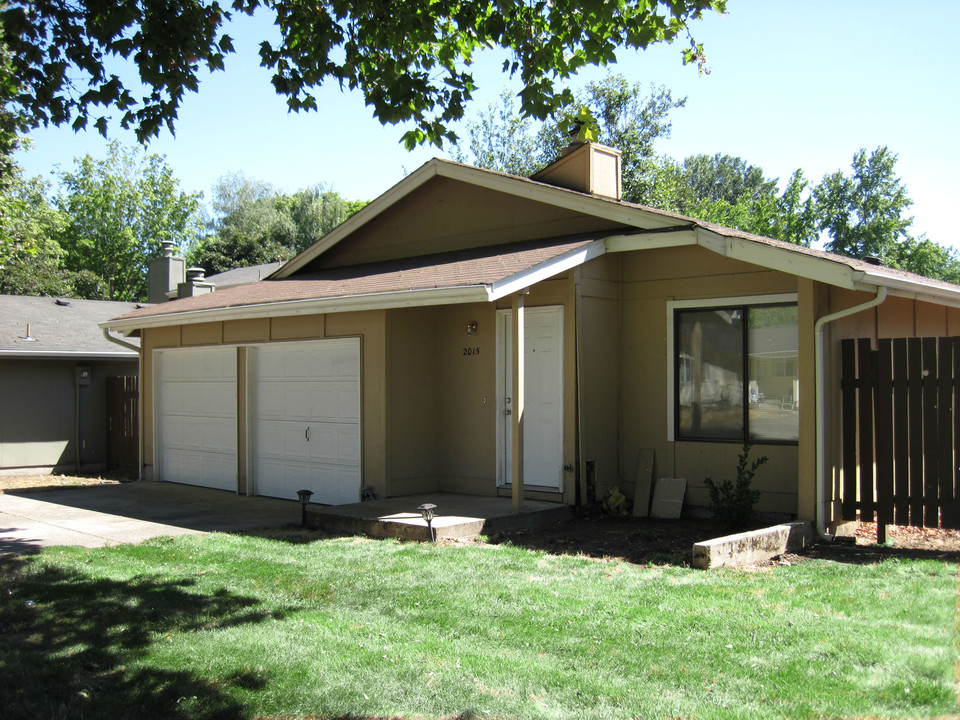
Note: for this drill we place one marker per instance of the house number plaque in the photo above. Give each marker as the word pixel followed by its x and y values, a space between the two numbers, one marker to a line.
pixel 471 351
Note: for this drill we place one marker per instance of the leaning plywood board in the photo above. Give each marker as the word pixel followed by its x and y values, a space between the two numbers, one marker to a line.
pixel 643 479
pixel 668 498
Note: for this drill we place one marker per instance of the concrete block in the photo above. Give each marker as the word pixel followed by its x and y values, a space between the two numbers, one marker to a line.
pixel 752 547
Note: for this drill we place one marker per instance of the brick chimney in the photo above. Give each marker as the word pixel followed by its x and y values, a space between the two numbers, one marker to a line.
pixel 164 274
pixel 587 167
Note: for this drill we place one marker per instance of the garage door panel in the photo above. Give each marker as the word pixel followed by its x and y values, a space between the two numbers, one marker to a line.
pixel 281 439
pixel 195 433
pixel 211 399
pixel 331 484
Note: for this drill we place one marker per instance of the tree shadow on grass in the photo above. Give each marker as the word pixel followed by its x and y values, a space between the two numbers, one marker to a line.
pixel 66 641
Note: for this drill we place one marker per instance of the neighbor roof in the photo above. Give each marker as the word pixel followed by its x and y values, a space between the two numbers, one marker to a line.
pixel 58 327
pixel 241 276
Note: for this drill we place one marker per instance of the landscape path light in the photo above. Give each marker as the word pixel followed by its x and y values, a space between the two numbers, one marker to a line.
pixel 304 497
pixel 427 512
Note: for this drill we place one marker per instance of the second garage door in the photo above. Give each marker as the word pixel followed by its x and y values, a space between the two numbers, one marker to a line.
pixel 306 412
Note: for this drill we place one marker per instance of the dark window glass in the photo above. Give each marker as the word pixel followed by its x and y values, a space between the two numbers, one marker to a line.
pixel 736 374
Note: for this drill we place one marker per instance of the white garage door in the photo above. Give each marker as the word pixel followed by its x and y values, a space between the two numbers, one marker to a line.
pixel 307 420
pixel 197 416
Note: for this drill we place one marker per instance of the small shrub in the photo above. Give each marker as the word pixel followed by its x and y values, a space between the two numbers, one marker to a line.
pixel 732 503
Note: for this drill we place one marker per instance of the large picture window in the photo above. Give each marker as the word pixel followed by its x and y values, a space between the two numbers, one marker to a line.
pixel 736 373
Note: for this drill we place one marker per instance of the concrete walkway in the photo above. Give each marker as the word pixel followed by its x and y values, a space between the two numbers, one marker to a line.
pixel 129 513
pixel 457 516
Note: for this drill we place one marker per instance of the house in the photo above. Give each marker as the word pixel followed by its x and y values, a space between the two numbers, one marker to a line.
pixel 474 332
pixel 55 368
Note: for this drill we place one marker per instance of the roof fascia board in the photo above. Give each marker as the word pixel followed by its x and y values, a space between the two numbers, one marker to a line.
pixel 676 238
pixel 310 306
pixel 406 186
pixel 546 269
pixel 73 354
pixel 554 195
pixel 907 288
pixel 832 272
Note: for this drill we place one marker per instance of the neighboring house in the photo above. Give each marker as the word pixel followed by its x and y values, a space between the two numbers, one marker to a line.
pixel 54 368
pixel 169 278
pixel 386 355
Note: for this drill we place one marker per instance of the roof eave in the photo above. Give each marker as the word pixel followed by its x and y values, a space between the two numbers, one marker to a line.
pixel 546 269
pixel 308 306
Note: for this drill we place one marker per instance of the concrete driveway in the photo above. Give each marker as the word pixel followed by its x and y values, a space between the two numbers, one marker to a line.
pixel 129 513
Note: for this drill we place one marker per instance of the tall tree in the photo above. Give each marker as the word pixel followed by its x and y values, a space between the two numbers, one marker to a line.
pixel 118 211
pixel 410 59
pixel 863 213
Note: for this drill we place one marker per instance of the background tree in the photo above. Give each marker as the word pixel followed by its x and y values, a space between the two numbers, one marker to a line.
pixel 410 60
pixel 256 224
pixel 863 213
pixel 725 177
pixel 117 212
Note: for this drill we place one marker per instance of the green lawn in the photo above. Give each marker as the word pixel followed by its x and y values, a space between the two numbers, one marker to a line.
pixel 225 626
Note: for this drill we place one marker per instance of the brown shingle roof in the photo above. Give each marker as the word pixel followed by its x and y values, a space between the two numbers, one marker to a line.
pixel 475 267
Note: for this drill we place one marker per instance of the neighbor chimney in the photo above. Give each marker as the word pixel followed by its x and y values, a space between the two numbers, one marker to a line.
pixel 195 284
pixel 164 274
pixel 586 167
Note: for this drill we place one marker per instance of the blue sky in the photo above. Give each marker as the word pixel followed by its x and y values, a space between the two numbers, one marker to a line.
pixel 794 84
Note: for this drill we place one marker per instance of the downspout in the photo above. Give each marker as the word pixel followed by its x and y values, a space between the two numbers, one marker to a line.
pixel 121 343
pixel 821 399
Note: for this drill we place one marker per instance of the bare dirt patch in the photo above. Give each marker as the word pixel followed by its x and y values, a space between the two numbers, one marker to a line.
pixel 39 483
pixel 646 541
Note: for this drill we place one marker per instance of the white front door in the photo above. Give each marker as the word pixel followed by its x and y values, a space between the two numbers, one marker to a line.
pixel 196 416
pixel 306 433
pixel 543 404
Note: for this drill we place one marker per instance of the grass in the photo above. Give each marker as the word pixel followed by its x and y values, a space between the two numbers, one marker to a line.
pixel 225 626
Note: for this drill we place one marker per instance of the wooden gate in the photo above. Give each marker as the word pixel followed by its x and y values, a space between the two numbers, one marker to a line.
pixel 123 425
pixel 901 444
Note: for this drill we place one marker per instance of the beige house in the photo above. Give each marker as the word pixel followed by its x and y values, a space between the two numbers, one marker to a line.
pixel 391 354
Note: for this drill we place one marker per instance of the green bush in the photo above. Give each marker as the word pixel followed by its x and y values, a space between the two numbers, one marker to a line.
pixel 732 503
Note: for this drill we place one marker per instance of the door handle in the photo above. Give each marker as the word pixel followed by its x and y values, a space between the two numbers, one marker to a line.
pixel 306 434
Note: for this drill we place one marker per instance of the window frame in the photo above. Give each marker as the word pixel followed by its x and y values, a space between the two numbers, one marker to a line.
pixel 743 301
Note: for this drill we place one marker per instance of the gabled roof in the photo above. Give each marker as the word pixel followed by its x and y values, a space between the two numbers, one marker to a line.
pixel 310 283
pixel 58 328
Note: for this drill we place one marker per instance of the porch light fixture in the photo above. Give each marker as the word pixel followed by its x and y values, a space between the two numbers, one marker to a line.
pixel 426 511
pixel 472 327
pixel 304 497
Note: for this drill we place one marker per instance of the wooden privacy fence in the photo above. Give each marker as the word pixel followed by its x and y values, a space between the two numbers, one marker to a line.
pixel 123 424
pixel 901 443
